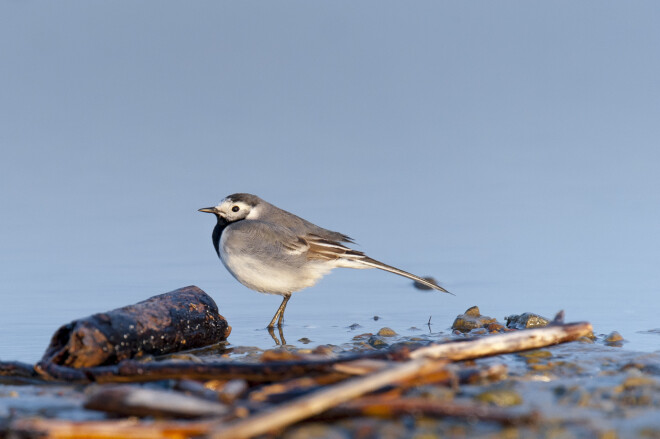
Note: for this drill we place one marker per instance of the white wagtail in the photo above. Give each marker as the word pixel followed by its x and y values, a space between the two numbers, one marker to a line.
pixel 273 251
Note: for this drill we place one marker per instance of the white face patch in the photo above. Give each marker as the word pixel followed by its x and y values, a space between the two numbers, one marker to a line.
pixel 233 210
pixel 255 213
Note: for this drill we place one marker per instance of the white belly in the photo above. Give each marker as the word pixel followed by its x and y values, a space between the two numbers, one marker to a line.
pixel 274 278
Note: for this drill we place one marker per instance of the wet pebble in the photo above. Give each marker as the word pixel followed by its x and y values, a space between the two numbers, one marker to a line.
pixel 479 331
pixel 471 319
pixel 495 327
pixel 526 320
pixel 614 339
pixel 500 397
pixel 386 332
pixel 536 353
pixel 638 380
pixel 377 342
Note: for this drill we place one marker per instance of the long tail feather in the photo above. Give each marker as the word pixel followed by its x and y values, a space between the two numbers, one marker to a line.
pixel 377 264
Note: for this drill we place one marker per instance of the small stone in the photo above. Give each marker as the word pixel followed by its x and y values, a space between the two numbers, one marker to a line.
pixel 586 340
pixel 473 312
pixel 304 340
pixel 377 343
pixel 279 355
pixel 538 367
pixel 613 337
pixel 354 326
pixel 526 320
pixel 638 381
pixel 376 318
pixel 472 319
pixel 479 331
pixel 366 335
pixel 386 332
pixel 495 327
pixel 500 397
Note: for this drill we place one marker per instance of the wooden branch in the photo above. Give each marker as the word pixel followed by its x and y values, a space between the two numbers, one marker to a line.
pixel 386 407
pixel 318 402
pixel 121 429
pixel 506 343
pixel 130 400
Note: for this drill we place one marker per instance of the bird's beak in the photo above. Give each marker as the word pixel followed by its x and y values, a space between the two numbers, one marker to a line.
pixel 208 210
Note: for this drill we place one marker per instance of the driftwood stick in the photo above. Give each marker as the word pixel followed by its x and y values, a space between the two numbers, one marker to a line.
pixel 509 342
pixel 130 400
pixel 121 429
pixel 386 408
pixel 318 402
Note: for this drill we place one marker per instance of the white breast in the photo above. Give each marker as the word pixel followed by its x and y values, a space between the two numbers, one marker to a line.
pixel 272 277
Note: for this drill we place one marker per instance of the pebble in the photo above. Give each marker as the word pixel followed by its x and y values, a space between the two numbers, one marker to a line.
pixel 526 320
pixel 386 332
pixel 471 319
pixel 614 339
pixel 500 397
pixel 377 342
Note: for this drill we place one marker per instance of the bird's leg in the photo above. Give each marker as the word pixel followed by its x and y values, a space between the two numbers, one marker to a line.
pixel 279 315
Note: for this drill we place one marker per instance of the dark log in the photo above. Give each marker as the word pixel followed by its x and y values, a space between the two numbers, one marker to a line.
pixel 15 372
pixel 17 369
pixel 136 371
pixel 183 319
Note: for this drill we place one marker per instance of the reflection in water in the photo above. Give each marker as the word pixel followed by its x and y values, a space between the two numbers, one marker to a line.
pixel 281 341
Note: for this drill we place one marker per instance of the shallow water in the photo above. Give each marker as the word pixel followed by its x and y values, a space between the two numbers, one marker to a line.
pixel 325 314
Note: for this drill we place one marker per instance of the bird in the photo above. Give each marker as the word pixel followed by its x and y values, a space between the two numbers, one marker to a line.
pixel 273 251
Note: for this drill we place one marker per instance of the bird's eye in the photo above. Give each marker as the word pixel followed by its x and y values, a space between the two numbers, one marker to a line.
pixel 235 209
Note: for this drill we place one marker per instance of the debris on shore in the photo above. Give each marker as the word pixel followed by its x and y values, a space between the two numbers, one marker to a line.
pixel 484 379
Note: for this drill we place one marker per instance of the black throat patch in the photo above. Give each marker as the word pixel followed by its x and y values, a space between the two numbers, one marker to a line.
pixel 217 232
